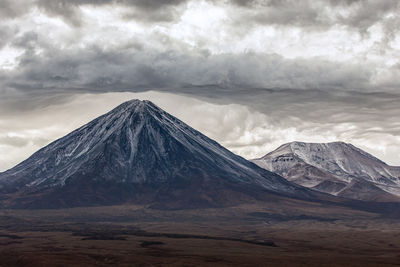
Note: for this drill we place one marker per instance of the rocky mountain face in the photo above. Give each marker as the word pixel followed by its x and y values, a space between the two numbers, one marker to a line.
pixel 336 168
pixel 138 153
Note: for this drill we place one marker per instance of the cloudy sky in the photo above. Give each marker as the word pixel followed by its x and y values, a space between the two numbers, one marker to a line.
pixel 250 74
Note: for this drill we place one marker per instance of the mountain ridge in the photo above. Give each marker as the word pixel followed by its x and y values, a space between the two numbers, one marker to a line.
pixel 334 168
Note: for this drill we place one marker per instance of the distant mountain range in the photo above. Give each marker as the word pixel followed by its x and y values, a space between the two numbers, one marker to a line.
pixel 138 153
pixel 336 168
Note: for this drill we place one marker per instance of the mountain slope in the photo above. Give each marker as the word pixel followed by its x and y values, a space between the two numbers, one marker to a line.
pixel 138 153
pixel 336 168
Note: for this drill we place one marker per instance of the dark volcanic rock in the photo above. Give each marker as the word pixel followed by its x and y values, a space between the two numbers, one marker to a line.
pixel 138 153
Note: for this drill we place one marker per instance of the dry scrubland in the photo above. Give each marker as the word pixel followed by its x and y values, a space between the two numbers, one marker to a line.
pixel 293 233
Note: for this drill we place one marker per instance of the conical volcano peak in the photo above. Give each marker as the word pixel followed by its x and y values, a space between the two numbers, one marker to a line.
pixel 137 102
pixel 135 106
pixel 138 152
pixel 127 115
pixel 143 109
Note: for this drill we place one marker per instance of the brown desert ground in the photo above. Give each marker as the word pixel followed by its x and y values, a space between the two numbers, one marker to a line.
pixel 293 233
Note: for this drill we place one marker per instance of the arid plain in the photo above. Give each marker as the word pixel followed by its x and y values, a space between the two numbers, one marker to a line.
pixel 292 233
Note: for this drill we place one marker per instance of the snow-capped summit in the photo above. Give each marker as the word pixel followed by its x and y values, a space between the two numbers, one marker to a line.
pixel 337 168
pixel 137 152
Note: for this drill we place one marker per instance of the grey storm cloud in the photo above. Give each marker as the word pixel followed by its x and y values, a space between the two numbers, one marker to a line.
pixel 316 14
pixel 5 33
pixel 313 90
pixel 141 10
pixel 14 8
pixel 367 12
pixel 137 67
pixel 96 68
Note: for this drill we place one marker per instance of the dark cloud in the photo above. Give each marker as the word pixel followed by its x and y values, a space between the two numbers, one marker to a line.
pixel 153 10
pixel 69 10
pixel 314 14
pixel 288 90
pixel 26 41
pixel 14 8
pixel 367 13
pixel 95 68
pixel 285 13
pixel 311 14
pixel 140 10
pixel 6 34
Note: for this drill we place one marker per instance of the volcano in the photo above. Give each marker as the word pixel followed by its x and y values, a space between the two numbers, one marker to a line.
pixel 138 153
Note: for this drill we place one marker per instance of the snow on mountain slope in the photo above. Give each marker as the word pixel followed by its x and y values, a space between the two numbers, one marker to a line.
pixel 137 152
pixel 337 168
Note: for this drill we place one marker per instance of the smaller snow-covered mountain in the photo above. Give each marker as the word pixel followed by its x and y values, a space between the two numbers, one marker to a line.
pixel 336 168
